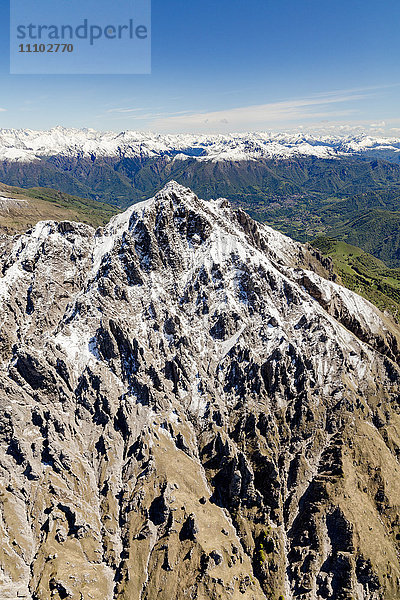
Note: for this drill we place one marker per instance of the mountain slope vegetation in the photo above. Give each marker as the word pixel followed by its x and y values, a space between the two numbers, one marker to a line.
pixel 21 209
pixel 363 273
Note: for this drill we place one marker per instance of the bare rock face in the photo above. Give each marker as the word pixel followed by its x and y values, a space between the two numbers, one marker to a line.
pixel 192 408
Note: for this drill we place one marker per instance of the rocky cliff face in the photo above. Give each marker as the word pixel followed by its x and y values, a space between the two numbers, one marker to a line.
pixel 192 409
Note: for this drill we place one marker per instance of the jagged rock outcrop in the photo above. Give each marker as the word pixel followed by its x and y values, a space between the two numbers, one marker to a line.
pixel 192 408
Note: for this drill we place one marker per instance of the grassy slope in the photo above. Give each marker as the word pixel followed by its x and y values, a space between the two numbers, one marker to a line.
pixel 375 231
pixel 38 204
pixel 364 274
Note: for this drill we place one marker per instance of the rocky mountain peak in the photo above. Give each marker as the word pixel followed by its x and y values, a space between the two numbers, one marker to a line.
pixel 192 407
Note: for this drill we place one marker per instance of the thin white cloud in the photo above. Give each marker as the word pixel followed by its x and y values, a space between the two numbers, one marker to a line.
pixel 138 114
pixel 3 110
pixel 262 116
pixel 125 110
pixel 385 128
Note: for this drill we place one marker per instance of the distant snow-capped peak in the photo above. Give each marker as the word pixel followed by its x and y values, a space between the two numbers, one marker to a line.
pixel 26 145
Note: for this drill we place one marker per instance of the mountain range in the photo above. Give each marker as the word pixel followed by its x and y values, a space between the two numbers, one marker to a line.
pixel 193 407
pixel 26 145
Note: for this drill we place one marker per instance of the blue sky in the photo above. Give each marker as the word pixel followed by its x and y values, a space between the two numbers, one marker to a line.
pixel 237 65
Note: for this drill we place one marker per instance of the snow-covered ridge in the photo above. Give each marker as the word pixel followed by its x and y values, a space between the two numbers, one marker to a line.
pixel 26 145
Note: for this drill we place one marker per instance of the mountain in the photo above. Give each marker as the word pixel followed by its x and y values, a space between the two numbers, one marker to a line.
pixel 21 208
pixel 193 408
